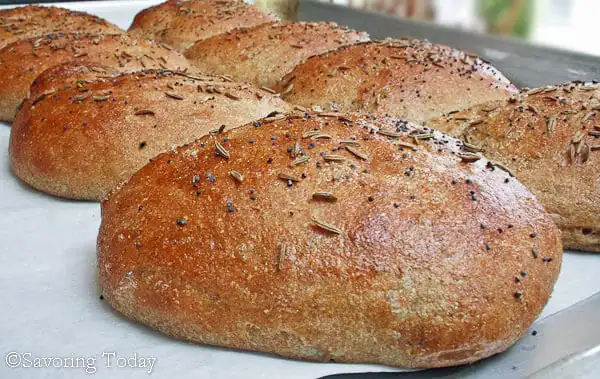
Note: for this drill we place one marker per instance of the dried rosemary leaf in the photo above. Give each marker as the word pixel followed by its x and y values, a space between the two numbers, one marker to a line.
pixel 269 90
pixel 101 98
pixel 296 150
pixel 534 91
pixel 389 133
pixel 551 124
pixel 471 148
pixel 283 253
pixel 585 153
pixel 350 142
pixel 503 168
pixel 328 114
pixel 423 136
pixel 469 157
pixel 357 152
pixel 299 108
pixel 324 196
pixel 405 144
pixel 80 98
pixel 333 158
pixel 231 96
pixel 532 109
pixel 321 136
pixel 325 226
pixel 310 133
pixel 174 96
pixel 300 160
pixel 236 175
pixel 221 150
pixel 142 112
pixel 274 118
pixel 587 117
pixel 286 177
pixel 572 153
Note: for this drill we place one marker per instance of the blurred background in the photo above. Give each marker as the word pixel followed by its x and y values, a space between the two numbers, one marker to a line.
pixel 564 24
pixel 570 25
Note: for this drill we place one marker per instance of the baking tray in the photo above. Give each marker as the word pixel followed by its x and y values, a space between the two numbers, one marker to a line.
pixel 50 297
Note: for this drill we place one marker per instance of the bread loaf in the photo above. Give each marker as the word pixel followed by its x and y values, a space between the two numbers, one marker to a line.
pixel 21 62
pixel 180 23
pixel 80 142
pixel 550 139
pixel 406 79
pixel 265 53
pixel 315 238
pixel 35 21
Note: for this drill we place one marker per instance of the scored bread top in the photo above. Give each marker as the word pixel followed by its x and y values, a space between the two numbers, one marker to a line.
pixel 71 74
pixel 265 53
pixel 180 23
pixel 34 21
pixel 550 139
pixel 408 79
pixel 82 140
pixel 330 238
pixel 21 62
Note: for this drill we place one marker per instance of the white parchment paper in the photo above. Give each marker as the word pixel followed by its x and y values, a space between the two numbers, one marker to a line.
pixel 49 297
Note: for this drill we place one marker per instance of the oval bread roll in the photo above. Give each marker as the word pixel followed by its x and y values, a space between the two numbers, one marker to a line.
pixel 21 62
pixel 550 139
pixel 314 238
pixel 264 54
pixel 80 142
pixel 406 79
pixel 34 21
pixel 180 23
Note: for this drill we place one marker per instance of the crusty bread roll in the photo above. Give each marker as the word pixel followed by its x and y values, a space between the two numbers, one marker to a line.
pixel 265 53
pixel 33 21
pixel 180 23
pixel 80 142
pixel 550 139
pixel 21 62
pixel 314 238
pixel 406 79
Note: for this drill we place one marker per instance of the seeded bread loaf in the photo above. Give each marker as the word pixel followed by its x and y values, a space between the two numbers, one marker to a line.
pixel 180 23
pixel 312 238
pixel 21 62
pixel 80 142
pixel 35 21
pixel 550 139
pixel 406 79
pixel 264 54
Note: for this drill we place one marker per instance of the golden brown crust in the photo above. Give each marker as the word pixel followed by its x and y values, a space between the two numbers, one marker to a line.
pixel 32 21
pixel 71 74
pixel 407 79
pixel 180 23
pixel 80 141
pixel 264 54
pixel 21 62
pixel 550 139
pixel 432 266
